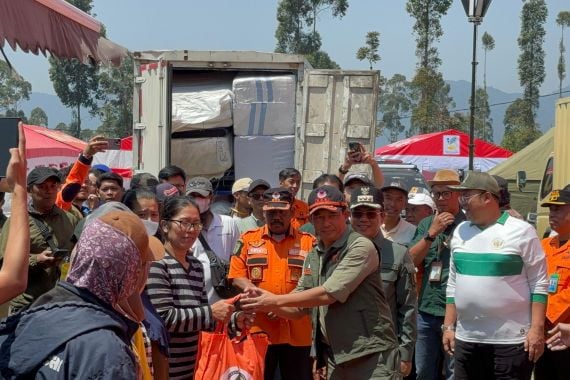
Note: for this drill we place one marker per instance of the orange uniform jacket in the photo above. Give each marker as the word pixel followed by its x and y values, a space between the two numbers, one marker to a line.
pixel 558 261
pixel 300 213
pixel 73 183
pixel 276 267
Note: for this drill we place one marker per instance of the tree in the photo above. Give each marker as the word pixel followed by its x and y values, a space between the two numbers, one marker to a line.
pixel 520 128
pixel 13 88
pixel 116 94
pixel 370 51
pixel 296 31
pixel 483 121
pixel 38 117
pixel 12 112
pixel 61 126
pixel 563 20
pixel 75 84
pixel 395 100
pixel 531 59
pixel 488 45
pixel 87 134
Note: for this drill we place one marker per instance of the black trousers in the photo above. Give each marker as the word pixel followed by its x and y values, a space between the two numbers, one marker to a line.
pixel 293 362
pixel 477 361
pixel 553 365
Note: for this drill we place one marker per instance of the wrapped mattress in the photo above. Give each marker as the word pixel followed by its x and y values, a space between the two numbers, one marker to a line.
pixel 206 153
pixel 264 105
pixel 262 157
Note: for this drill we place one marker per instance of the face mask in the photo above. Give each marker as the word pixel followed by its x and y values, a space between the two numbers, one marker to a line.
pixel 203 204
pixel 151 227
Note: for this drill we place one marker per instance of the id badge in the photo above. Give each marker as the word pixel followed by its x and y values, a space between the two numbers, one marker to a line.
pixel 553 283
pixel 435 271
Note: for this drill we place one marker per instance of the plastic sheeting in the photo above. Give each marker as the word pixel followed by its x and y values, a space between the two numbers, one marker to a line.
pixel 264 105
pixel 263 156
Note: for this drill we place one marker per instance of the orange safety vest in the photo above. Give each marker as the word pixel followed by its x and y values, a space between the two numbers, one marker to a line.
pixel 558 262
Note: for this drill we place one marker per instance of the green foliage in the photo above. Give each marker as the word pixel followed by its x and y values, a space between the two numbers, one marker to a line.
pixel 531 60
pixel 87 134
pixel 431 99
pixel 427 28
pixel 297 33
pixel 116 92
pixel 61 126
pixel 483 121
pixel 370 51
pixel 520 128
pixel 321 60
pixel 12 112
pixel 394 101
pixel 488 45
pixel 13 88
pixel 38 117
pixel 563 20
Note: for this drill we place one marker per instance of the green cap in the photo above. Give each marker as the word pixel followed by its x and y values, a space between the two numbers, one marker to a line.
pixel 479 181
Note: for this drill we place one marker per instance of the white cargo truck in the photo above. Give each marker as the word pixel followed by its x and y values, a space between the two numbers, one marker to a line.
pixel 226 114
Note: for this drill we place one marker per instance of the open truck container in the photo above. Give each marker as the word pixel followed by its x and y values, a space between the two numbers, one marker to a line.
pixel 330 108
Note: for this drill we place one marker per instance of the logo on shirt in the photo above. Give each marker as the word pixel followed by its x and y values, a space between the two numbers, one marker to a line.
pixel 54 363
pixel 257 251
pixel 497 243
pixel 236 373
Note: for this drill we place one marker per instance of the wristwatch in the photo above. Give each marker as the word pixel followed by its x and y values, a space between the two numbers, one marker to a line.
pixel 445 328
pixel 428 237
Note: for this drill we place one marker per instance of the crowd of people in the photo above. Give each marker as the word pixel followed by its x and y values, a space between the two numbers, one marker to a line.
pixel 368 279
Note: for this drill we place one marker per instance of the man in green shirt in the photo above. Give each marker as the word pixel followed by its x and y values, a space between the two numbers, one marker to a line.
pixel 255 196
pixel 353 334
pixel 430 251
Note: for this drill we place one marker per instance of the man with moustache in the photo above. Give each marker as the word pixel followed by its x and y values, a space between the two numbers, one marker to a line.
pixel 271 257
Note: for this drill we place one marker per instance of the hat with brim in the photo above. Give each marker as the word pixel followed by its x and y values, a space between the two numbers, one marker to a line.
pixel 241 184
pixel 558 198
pixel 40 174
pixel 278 198
pixel 326 198
pixel 257 183
pixel 479 181
pixel 366 196
pixel 199 185
pixel 396 186
pixel 357 176
pixel 421 199
pixel 445 177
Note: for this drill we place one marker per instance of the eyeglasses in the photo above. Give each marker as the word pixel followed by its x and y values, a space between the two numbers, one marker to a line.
pixel 255 196
pixel 368 214
pixel 187 226
pixel 443 194
pixel 465 199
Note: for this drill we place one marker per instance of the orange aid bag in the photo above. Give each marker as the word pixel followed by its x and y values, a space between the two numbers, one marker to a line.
pixel 223 358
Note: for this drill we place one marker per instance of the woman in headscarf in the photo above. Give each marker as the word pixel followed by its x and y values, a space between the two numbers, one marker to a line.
pixel 83 327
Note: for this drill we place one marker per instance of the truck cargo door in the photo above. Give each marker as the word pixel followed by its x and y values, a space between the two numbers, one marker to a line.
pixel 339 106
pixel 150 115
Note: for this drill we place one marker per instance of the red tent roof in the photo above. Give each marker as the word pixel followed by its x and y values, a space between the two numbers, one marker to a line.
pixel 442 144
pixel 41 142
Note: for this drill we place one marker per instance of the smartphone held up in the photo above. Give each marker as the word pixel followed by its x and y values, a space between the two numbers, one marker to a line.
pixel 9 133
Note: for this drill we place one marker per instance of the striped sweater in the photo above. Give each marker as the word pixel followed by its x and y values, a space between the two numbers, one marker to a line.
pixel 179 297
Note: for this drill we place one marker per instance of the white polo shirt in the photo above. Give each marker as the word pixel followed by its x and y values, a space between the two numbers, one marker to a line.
pixel 402 234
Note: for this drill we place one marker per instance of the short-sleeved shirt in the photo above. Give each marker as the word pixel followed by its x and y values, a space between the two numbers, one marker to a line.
pixel 300 213
pixel 558 266
pixel 275 266
pixel 432 293
pixel 248 223
pixel 403 233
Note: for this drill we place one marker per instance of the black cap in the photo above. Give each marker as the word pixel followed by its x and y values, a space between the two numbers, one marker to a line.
pixel 327 197
pixel 397 186
pixel 558 197
pixel 165 190
pixel 277 198
pixel 357 176
pixel 40 174
pixel 366 196
pixel 257 183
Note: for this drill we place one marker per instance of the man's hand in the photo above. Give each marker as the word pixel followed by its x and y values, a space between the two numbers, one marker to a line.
pixel 222 311
pixel 405 368
pixel 46 259
pixel 534 344
pixel 245 320
pixel 440 222
pixel 256 299
pixel 559 337
pixel 368 158
pixel 95 145
pixel 319 373
pixel 449 342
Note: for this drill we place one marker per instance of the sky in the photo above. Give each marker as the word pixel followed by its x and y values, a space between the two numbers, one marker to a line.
pixel 250 25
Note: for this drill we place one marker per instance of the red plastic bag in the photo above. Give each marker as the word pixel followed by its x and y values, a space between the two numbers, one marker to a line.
pixel 223 358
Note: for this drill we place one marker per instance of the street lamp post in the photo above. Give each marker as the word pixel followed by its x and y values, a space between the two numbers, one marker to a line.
pixel 475 10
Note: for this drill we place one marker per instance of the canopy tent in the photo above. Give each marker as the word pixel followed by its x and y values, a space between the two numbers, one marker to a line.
pixel 444 150
pixel 58 27
pixel 531 159
pixel 48 147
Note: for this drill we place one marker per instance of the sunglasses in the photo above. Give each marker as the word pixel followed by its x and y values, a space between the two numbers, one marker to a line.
pixel 256 196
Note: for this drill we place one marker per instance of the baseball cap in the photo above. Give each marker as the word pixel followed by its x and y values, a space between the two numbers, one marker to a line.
pixel 199 185
pixel 241 184
pixel 445 177
pixel 277 198
pixel 479 181
pixel 558 197
pixel 397 186
pixel 366 196
pixel 102 167
pixel 165 190
pixel 418 196
pixel 357 176
pixel 40 174
pixel 326 197
pixel 257 183
pixel 144 180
